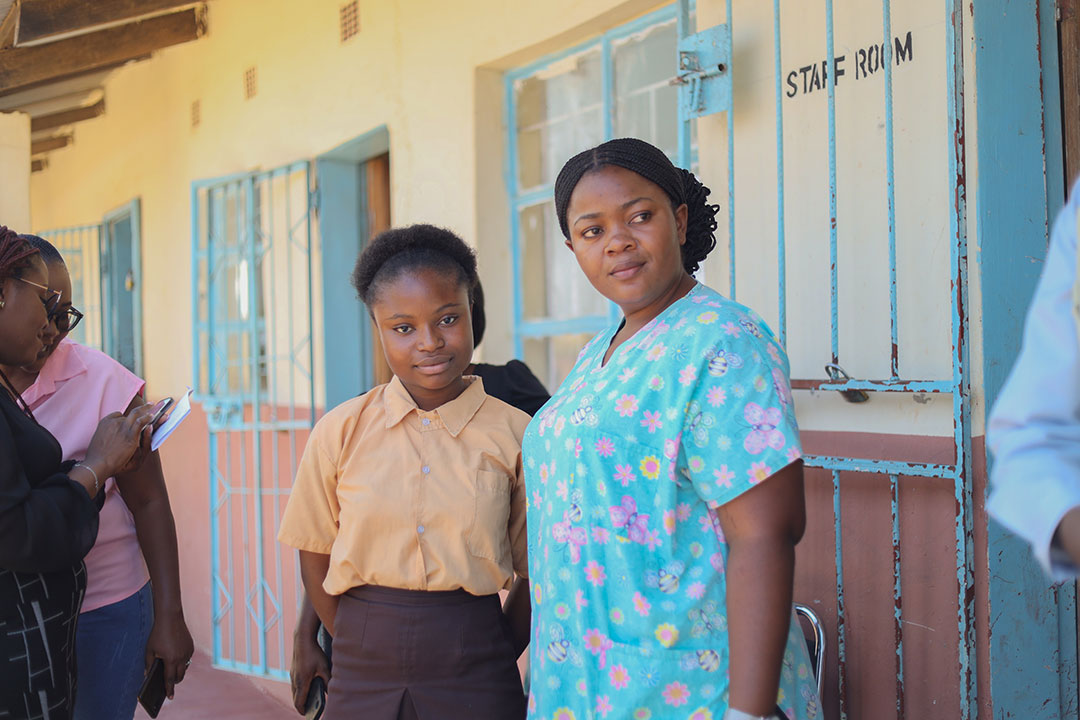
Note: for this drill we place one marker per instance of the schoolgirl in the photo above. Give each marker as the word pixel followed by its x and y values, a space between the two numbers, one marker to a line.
pixel 409 505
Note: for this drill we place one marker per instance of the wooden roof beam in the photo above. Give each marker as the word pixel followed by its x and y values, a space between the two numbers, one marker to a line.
pixel 45 18
pixel 49 144
pixel 22 67
pixel 67 117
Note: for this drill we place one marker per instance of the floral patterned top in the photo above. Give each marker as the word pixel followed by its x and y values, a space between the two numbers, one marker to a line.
pixel 626 557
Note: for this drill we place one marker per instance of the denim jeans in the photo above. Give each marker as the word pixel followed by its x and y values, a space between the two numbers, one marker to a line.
pixel 110 647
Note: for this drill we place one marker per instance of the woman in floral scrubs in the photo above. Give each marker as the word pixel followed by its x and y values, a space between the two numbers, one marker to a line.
pixel 664 479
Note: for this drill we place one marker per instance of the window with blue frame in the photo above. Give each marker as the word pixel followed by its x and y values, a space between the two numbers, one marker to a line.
pixel 615 85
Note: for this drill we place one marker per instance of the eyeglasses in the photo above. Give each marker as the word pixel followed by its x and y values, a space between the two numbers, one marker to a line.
pixel 66 320
pixel 51 301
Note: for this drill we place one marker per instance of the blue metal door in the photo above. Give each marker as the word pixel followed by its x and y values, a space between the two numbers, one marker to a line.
pixel 121 273
pixel 254 362
pixel 945 157
pixel 81 248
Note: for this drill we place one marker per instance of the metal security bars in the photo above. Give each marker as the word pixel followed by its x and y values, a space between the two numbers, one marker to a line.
pixel 255 354
pixel 81 248
pixel 958 384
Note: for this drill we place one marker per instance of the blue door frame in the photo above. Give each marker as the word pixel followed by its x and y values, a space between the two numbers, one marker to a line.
pixel 121 285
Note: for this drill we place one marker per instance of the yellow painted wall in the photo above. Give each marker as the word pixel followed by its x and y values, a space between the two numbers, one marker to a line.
pixel 415 67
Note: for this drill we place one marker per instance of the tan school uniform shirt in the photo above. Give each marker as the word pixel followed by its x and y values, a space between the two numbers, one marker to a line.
pixel 412 499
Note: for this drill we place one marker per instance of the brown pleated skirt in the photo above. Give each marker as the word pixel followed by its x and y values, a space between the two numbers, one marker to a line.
pixel 407 654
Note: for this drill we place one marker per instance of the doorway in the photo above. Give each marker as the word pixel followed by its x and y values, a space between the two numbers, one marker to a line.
pixel 121 272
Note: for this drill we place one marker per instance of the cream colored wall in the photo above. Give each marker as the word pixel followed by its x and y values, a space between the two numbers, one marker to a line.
pixel 15 169
pixel 413 68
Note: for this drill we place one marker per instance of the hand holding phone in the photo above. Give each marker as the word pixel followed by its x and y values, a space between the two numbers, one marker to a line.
pixel 160 408
pixel 152 692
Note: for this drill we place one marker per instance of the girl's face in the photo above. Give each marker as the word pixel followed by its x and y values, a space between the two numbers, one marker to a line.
pixel 426 330
pixel 23 319
pixel 626 237
pixel 59 279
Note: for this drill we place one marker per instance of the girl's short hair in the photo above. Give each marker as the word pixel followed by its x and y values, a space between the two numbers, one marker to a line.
pixel 407 249
pixel 48 251
pixel 651 163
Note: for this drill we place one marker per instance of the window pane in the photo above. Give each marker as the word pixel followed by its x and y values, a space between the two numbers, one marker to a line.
pixel 646 105
pixel 553 286
pixel 552 358
pixel 558 115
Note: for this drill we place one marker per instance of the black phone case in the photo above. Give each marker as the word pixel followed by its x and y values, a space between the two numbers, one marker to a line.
pixel 316 699
pixel 152 692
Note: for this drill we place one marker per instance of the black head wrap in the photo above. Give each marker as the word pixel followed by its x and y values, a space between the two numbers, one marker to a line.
pixel 651 163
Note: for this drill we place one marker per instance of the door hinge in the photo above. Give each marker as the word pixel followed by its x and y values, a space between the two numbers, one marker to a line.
pixel 704 77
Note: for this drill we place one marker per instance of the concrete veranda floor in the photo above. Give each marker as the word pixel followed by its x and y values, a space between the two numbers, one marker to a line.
pixel 211 694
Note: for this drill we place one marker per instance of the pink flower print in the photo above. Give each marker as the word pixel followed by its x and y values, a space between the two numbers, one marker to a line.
pixel 656 383
pixel 717 562
pixel 652 421
pixel 626 405
pixel 650 467
pixel 758 472
pixel 624 474
pixel 671 448
pixel 603 705
pixel 666 634
pixel 561 490
pixel 763 433
pixel 687 375
pixel 598 644
pixel 580 600
pixel 626 515
pixel 732 329
pixel 604 447
pixel 564 533
pixel 600 535
pixel 793 454
pixel 595 573
pixel 676 694
pixel 544 474
pixel 669 522
pixel 560 714
pixel 642 713
pixel 652 539
pixel 716 396
pixel 723 476
pixel 706 714
pixel 706 523
pixel 696 590
pixel 708 317
pixel 559 425
pixel 536 498
pixel 619 677
pixel 642 605
pixel 627 374
pixel 577 447
pixel 656 352
pixel 683 511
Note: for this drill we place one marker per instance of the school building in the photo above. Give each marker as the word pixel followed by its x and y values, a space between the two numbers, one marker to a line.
pixel 887 172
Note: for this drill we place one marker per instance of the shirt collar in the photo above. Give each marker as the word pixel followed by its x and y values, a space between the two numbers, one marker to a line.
pixel 62 365
pixel 455 415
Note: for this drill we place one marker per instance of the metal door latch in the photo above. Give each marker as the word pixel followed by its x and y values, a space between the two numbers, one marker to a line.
pixel 837 374
pixel 704 77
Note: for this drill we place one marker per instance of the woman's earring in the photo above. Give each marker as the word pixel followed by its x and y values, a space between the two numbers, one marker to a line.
pixel 1 304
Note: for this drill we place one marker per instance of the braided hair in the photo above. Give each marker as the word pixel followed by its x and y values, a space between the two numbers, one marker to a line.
pixel 415 247
pixel 650 162
pixel 16 253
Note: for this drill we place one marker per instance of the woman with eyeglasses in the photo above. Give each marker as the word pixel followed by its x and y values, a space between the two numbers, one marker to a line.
pixel 123 626
pixel 48 508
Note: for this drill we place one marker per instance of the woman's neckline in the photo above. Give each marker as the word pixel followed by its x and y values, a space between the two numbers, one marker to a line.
pixel 646 327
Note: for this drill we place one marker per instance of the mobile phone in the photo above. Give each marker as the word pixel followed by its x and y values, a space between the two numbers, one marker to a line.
pixel 316 699
pixel 152 692
pixel 159 409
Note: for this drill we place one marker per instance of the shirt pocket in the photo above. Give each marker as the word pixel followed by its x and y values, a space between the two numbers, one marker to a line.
pixel 488 534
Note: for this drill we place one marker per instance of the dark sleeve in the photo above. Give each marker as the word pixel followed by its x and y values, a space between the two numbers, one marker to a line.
pixel 45 527
pixel 526 392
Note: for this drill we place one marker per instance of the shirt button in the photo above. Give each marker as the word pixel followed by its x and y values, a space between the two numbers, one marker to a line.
pixel 425 421
pixel 420 529
pixel 425 469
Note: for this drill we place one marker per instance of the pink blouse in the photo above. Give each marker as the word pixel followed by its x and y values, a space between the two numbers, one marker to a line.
pixel 77 387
